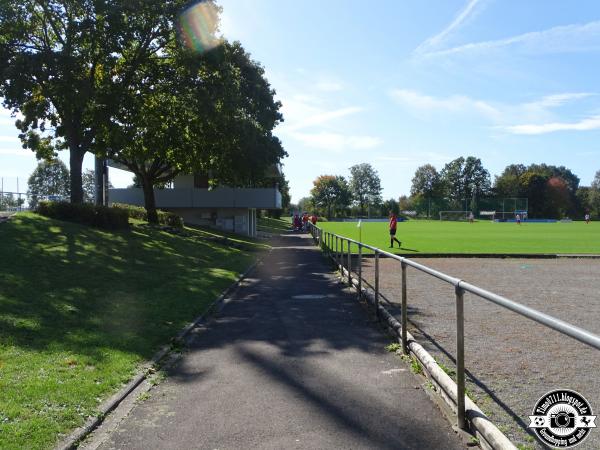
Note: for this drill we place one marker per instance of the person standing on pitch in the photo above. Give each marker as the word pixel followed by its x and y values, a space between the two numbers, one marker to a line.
pixel 393 224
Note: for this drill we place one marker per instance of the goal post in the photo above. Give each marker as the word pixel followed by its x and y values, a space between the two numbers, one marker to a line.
pixel 454 215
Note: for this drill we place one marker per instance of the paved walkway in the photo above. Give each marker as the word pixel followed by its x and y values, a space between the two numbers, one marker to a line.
pixel 292 362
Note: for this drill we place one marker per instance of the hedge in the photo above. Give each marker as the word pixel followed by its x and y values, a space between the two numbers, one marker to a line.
pixel 164 218
pixel 85 213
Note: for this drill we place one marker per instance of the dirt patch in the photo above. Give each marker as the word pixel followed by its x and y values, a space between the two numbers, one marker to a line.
pixel 511 361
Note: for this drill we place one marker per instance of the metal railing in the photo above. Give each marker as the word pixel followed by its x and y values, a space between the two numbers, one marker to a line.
pixel 333 245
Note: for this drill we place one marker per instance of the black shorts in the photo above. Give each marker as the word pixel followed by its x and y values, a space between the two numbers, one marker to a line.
pixel 392 232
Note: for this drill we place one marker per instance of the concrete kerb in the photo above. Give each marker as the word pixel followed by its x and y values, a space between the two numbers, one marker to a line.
pixel 490 437
pixel 73 440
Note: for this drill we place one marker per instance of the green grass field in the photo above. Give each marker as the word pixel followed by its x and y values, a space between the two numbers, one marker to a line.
pixel 81 308
pixel 433 236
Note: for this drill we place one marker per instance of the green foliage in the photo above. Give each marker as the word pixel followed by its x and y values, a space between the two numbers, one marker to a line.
pixel 465 179
pixel 86 213
pixel 551 190
pixel 390 205
pixel 89 186
pixel 415 366
pixel 50 178
pixel 393 347
pixel 62 61
pixel 331 193
pixel 164 217
pixel 426 182
pixel 211 113
pixel 365 186
pixel 82 308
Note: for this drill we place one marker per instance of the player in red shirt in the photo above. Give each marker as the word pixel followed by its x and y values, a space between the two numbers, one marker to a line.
pixel 304 221
pixel 314 219
pixel 393 223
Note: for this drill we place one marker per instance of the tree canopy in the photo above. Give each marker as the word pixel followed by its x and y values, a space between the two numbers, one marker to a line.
pixel 331 192
pixel 365 185
pixel 211 113
pixel 50 178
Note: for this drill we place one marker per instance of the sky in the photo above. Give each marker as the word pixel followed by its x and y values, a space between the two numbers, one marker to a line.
pixel 399 84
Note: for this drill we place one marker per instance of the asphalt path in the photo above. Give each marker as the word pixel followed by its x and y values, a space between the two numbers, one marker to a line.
pixel 293 361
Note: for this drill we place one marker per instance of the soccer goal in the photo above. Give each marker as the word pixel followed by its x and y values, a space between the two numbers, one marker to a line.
pixel 454 215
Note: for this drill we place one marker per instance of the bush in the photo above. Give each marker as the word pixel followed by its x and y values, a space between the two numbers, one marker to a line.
pixel 164 218
pixel 86 213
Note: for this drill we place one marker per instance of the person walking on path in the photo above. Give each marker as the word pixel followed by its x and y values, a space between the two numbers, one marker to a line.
pixel 393 225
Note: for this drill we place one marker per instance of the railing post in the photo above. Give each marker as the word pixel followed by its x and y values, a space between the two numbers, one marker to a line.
pixel 337 253
pixel 359 270
pixel 404 311
pixel 349 263
pixel 376 283
pixel 460 358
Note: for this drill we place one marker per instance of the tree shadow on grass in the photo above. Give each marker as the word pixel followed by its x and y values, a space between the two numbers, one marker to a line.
pixel 84 290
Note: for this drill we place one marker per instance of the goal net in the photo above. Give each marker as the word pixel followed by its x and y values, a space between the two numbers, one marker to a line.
pixel 454 215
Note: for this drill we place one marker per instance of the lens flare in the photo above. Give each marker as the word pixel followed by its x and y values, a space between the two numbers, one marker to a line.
pixel 198 26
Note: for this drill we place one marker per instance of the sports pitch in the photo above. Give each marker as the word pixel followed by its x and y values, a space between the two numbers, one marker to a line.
pixel 481 237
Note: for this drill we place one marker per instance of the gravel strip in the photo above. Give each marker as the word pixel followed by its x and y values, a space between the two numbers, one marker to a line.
pixel 511 361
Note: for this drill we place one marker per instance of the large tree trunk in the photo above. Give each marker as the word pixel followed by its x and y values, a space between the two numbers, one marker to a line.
pixel 149 201
pixel 75 162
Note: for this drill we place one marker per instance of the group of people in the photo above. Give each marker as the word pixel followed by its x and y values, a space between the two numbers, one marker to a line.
pixel 301 223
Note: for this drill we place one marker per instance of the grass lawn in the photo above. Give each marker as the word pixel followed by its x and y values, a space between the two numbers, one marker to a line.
pixel 275 226
pixel 433 236
pixel 81 308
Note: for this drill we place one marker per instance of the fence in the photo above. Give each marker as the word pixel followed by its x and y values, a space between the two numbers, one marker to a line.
pixel 504 207
pixel 339 248
pixel 13 201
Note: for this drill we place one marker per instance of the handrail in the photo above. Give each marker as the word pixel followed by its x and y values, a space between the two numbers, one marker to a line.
pixel 326 238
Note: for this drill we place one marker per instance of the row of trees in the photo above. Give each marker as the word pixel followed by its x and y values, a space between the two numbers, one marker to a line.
pixel 464 184
pixel 333 195
pixel 114 78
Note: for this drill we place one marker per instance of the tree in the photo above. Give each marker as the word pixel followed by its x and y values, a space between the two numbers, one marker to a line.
pixel 89 185
pixel 426 184
pixel 331 192
pixel 60 60
pixel 465 179
pixel 509 183
pixel 390 205
pixel 50 178
pixel 305 204
pixel 210 113
pixel 365 185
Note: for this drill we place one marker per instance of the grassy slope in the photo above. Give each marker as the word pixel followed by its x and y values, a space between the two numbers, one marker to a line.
pixel 275 226
pixel 80 308
pixel 480 237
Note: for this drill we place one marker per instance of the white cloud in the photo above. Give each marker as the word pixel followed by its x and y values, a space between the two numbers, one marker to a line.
pixel 590 123
pixel 456 103
pixel 318 118
pixel 555 100
pixel 461 18
pixel 337 142
pixel 537 116
pixel 561 39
